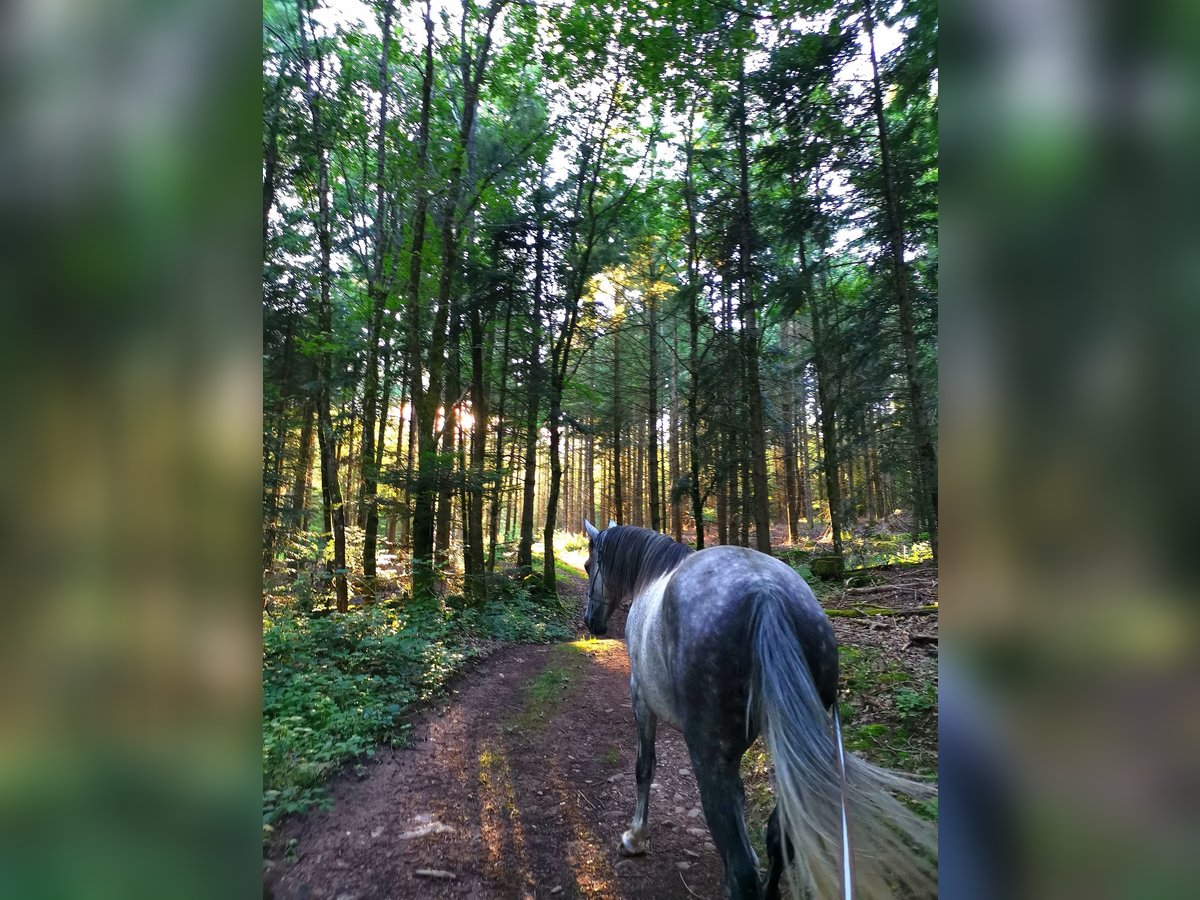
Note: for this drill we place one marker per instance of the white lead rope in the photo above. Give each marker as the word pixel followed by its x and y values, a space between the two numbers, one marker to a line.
pixel 847 848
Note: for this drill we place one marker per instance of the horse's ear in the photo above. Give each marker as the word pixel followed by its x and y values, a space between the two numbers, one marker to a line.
pixel 612 523
pixel 590 529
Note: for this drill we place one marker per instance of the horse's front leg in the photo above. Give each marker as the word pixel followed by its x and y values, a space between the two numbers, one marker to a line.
pixel 634 841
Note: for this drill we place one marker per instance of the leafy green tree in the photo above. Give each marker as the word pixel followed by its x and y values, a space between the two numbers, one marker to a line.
pixel 521 262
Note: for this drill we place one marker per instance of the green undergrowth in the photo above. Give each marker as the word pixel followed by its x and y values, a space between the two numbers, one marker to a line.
pixel 336 685
pixel 545 693
pixel 888 550
pixel 898 726
pixel 571 541
pixel 862 552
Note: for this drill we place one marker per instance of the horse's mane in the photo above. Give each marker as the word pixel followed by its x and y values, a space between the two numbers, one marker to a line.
pixel 632 558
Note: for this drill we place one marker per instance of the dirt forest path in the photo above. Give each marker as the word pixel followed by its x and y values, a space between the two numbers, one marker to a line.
pixel 517 786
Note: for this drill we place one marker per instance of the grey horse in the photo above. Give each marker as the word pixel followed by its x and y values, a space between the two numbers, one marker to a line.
pixel 729 643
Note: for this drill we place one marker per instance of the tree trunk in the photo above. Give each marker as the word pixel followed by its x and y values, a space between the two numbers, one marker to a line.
pixel 926 470
pixel 869 480
pixel 791 501
pixel 694 290
pixel 851 500
pixel 722 513
pixel 525 547
pixel 385 399
pixel 788 410
pixel 617 479
pixel 398 454
pixel 385 403
pixel 433 481
pixel 589 477
pixel 564 503
pixel 410 464
pixel 511 493
pixel 331 490
pixel 368 510
pixel 881 509
pixel 498 462
pixel 452 384
pixel 273 451
pixel 605 481
pixel 335 512
pixel 548 572
pixel 473 563
pixel 825 408
pixel 639 462
pixel 760 497
pixel 805 467
pixel 734 497
pixel 422 485
pixel 747 500
pixel 591 168
pixel 673 471
pixel 652 424
pixel 299 501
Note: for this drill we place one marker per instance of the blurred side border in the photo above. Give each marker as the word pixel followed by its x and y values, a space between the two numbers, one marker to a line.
pixel 130 348
pixel 1070 302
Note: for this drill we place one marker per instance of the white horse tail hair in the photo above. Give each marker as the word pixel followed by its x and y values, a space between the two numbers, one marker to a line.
pixel 894 850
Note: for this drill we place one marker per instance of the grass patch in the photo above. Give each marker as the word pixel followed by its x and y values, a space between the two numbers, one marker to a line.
pixel 592 646
pixel 545 693
pixel 491 763
pixel 562 569
pixel 495 778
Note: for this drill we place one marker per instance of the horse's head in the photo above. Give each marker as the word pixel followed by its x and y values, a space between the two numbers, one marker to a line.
pixel 600 604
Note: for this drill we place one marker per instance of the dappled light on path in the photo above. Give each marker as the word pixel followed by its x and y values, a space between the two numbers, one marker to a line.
pixel 606 653
pixel 499 815
pixel 529 775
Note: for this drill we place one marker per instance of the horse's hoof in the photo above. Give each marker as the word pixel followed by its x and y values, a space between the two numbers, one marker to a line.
pixel 633 846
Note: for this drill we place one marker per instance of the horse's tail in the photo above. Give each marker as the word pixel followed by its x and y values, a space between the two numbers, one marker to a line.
pixel 894 851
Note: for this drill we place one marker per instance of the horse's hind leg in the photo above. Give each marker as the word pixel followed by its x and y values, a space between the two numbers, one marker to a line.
pixel 775 844
pixel 633 841
pixel 723 797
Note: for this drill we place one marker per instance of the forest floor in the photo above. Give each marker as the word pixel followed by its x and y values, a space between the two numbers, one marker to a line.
pixel 520 782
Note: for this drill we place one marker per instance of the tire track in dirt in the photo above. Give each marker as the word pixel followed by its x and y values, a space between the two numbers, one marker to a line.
pixel 519 786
